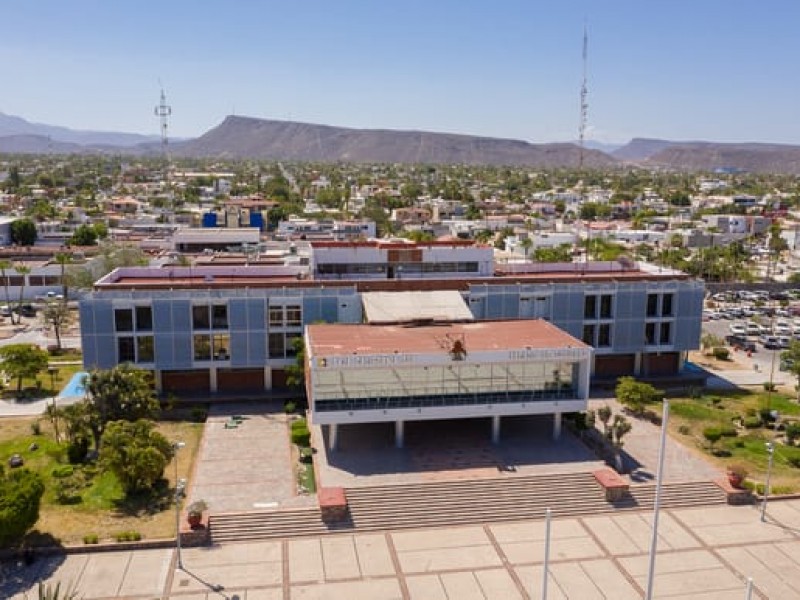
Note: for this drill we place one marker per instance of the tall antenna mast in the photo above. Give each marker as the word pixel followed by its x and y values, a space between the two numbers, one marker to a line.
pixel 584 100
pixel 163 111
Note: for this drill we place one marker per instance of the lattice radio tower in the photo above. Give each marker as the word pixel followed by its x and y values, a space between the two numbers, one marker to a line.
pixel 163 111
pixel 584 101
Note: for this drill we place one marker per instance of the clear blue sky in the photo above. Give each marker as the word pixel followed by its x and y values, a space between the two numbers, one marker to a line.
pixel 723 70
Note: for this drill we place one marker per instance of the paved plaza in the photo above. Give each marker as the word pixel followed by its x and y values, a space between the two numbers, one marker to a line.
pixel 704 553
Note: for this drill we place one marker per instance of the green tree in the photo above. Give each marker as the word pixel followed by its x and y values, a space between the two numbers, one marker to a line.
pixel 22 271
pixel 636 395
pixel 712 435
pixel 121 393
pixel 23 232
pixel 57 317
pixel 23 360
pixel 85 235
pixel 791 359
pixel 296 373
pixel 4 265
pixel 526 244
pixel 21 493
pixel 63 259
pixel 135 453
pixel 604 415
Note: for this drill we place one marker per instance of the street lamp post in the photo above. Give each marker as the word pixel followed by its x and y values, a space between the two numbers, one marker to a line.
pixel 771 453
pixel 180 490
pixel 53 371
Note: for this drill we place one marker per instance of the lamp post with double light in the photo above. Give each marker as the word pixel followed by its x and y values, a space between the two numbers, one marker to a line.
pixel 180 492
pixel 771 453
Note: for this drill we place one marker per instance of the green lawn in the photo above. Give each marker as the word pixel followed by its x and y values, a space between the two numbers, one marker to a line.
pixel 101 507
pixel 690 416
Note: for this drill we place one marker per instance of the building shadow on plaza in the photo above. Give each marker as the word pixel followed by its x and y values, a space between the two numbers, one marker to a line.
pixel 459 446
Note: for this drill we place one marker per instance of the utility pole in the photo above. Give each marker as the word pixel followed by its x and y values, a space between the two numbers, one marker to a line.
pixel 584 100
pixel 163 112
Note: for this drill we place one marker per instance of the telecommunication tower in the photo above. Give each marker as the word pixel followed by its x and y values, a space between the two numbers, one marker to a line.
pixel 584 100
pixel 163 111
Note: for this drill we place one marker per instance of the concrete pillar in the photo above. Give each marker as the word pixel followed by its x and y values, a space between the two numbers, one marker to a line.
pixel 267 378
pixel 333 437
pixel 496 429
pixel 556 426
pixel 637 364
pixel 212 377
pixel 159 384
pixel 399 434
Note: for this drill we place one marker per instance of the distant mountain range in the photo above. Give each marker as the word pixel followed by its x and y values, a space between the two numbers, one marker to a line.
pixel 244 137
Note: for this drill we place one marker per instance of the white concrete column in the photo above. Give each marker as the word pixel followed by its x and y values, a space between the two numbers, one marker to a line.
pixel 212 377
pixel 584 379
pixel 333 437
pixel 267 378
pixel 496 429
pixel 637 364
pixel 556 426
pixel 399 434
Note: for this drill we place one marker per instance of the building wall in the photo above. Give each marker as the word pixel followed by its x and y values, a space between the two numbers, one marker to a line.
pixel 250 333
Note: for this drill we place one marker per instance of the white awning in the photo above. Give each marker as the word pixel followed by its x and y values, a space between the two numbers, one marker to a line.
pixel 405 307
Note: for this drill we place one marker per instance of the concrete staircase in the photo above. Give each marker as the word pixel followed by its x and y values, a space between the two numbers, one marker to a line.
pixel 459 503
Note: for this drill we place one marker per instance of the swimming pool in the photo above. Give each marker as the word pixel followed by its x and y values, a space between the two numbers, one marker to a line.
pixel 75 386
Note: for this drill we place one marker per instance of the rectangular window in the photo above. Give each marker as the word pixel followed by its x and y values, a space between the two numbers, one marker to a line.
pixel 222 345
pixel 588 334
pixel 590 307
pixel 292 344
pixel 220 316
pixel 202 347
pixel 652 305
pixel 650 334
pixel 294 316
pixel 144 349
pixel 126 350
pixel 605 306
pixel 604 335
pixel 666 305
pixel 276 345
pixel 144 318
pixel 123 319
pixel 200 318
pixel 666 332
pixel 276 316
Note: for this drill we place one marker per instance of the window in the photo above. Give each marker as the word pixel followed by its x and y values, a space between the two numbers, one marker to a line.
pixel 144 349
pixel 666 305
pixel 126 351
pixel 590 307
pixel 219 316
pixel 650 334
pixel 605 306
pixel 294 316
pixel 276 345
pixel 123 319
pixel 221 345
pixel 276 316
pixel 200 318
pixel 604 335
pixel 666 331
pixel 144 318
pixel 588 334
pixel 292 345
pixel 652 305
pixel 202 346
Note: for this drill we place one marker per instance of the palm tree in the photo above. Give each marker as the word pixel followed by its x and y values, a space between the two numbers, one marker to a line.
pixel 63 259
pixel 5 264
pixel 526 244
pixel 21 270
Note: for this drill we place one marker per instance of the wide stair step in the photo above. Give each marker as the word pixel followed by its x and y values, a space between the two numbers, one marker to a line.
pixel 444 503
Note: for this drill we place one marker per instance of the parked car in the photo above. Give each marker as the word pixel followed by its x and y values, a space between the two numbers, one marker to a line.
pixel 770 342
pixel 5 310
pixel 739 341
pixel 784 341
pixel 754 329
pixel 738 329
pixel 25 310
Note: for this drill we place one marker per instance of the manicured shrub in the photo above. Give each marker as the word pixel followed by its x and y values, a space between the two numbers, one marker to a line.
pixel 128 536
pixel 91 538
pixel 752 422
pixel 684 430
pixel 36 428
pixel 721 353
pixel 62 471
pixel 289 407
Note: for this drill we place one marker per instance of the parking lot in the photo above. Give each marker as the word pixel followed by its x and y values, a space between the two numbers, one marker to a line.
pixel 758 324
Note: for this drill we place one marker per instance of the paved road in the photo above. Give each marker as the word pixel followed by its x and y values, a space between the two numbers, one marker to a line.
pixel 705 553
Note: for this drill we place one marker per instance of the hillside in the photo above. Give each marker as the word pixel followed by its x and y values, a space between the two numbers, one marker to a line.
pixel 706 156
pixel 17 126
pixel 37 144
pixel 242 137
pixel 639 149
